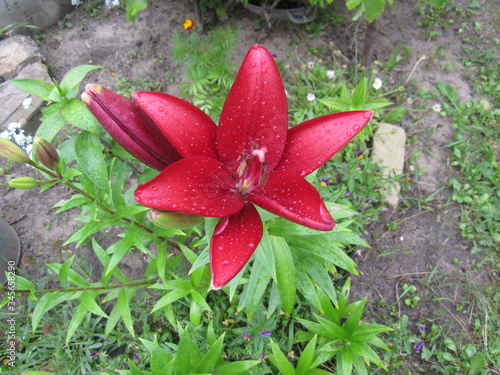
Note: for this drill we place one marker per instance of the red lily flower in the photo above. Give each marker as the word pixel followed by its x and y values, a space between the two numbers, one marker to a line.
pixel 256 160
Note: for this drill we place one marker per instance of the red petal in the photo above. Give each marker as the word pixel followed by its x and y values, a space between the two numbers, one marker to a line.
pixel 187 127
pixel 234 241
pixel 198 185
pixel 129 125
pixel 312 143
pixel 292 197
pixel 255 113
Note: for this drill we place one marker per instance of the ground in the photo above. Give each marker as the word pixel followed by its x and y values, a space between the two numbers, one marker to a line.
pixel 424 241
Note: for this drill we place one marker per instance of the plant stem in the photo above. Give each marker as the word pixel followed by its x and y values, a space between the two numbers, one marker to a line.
pixel 101 206
pixel 62 290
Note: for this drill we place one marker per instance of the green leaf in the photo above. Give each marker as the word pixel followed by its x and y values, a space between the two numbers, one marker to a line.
pixel 77 317
pixel 351 4
pixel 365 332
pixel 324 328
pixel 331 252
pixel 448 92
pixel 188 355
pixel 353 320
pixel 373 9
pixel 76 113
pixel 123 306
pixel 161 361
pixel 364 351
pixel 34 86
pixel 69 275
pixel 63 272
pixel 90 159
pixel 436 3
pixel 48 301
pixel 214 354
pixel 87 304
pixel 285 273
pixel 335 104
pixel 359 95
pixel 90 228
pixel 319 274
pixel 24 284
pixel 280 361
pixel 254 289
pixel 119 249
pixel 396 115
pixel 264 253
pixel 376 104
pixel 51 126
pixel 75 201
pixel 168 298
pixel 306 358
pixel 344 361
pixel 73 78
pixel 359 365
pixel 133 8
pixel 235 368
pixel 477 363
pixel 104 258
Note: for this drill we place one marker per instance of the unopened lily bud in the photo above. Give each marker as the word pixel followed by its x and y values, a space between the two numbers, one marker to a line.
pixel 46 153
pixel 13 152
pixel 25 183
pixel 174 220
pixel 130 126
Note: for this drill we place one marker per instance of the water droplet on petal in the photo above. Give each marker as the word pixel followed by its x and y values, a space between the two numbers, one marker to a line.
pixel 356 128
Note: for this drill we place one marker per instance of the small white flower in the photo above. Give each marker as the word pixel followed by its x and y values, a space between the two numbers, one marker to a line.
pixel 15 133
pixel 26 102
pixel 330 74
pixel 112 3
pixel 436 107
pixel 311 97
pixel 76 2
pixel 401 238
pixel 13 126
pixel 377 83
pixel 310 65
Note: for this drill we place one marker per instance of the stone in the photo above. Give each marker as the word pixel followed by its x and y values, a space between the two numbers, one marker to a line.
pixel 39 13
pixel 10 248
pixel 389 152
pixel 20 58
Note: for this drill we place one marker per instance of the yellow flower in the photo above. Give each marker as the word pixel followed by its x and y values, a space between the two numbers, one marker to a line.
pixel 189 24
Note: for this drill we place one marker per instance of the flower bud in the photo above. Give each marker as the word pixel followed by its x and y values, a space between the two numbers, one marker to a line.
pixel 173 219
pixel 130 126
pixel 46 153
pixel 13 152
pixel 25 183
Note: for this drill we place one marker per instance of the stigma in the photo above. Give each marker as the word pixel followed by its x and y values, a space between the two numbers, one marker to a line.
pixel 252 171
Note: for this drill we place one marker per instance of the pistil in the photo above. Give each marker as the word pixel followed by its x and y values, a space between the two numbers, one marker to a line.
pixel 252 170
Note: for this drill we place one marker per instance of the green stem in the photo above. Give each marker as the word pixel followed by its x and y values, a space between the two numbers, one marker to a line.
pixel 101 206
pixel 63 290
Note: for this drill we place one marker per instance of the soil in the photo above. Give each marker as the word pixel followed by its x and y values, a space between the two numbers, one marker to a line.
pixel 425 249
